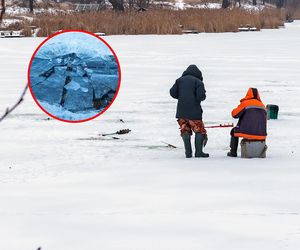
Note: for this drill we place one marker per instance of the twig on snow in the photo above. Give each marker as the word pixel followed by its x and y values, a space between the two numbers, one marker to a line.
pixel 169 145
pixel 120 132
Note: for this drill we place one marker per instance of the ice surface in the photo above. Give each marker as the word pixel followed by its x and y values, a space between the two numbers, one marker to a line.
pixel 62 190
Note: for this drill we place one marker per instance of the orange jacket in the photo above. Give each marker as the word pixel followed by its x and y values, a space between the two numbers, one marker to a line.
pixel 252 116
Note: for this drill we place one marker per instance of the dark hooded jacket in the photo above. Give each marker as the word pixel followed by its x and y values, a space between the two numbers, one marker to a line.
pixel 189 90
pixel 252 116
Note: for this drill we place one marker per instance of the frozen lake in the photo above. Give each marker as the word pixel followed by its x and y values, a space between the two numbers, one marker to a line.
pixel 63 187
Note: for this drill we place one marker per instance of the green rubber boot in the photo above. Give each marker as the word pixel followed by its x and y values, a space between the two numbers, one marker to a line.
pixel 199 144
pixel 187 145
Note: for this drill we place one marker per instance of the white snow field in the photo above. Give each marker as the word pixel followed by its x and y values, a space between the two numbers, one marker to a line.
pixel 63 191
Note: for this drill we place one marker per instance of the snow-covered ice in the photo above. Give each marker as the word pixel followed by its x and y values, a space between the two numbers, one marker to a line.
pixel 63 187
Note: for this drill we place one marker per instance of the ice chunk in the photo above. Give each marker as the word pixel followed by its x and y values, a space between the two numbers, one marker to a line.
pixel 79 95
pixel 50 90
pixel 39 66
pixel 61 70
pixel 102 81
pixel 72 86
pixel 96 63
pixel 36 79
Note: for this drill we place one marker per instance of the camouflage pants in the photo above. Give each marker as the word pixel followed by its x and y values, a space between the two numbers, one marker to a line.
pixel 187 126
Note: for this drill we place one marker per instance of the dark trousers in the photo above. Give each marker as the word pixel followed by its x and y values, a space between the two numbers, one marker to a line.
pixel 234 142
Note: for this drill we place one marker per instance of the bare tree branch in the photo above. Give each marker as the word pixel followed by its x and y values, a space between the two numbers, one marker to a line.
pixel 2 10
pixel 225 4
pixel 31 6
pixel 9 110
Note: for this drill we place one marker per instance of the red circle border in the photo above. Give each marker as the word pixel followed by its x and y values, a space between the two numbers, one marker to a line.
pixel 119 76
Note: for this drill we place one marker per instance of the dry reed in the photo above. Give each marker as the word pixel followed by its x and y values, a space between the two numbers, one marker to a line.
pixel 161 21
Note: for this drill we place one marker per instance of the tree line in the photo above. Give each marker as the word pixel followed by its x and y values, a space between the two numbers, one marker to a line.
pixel 120 5
pixel 277 3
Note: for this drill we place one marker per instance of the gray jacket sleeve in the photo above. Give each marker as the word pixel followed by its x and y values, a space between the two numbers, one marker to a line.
pixel 174 90
pixel 200 91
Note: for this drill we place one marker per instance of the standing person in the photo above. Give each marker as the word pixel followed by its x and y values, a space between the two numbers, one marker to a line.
pixel 189 90
pixel 252 124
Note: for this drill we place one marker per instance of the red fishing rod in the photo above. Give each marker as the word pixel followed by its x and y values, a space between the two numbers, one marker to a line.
pixel 221 126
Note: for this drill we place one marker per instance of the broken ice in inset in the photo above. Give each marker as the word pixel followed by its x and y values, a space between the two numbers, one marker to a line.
pixel 74 76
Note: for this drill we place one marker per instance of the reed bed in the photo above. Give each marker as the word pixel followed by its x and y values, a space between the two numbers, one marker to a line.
pixel 157 21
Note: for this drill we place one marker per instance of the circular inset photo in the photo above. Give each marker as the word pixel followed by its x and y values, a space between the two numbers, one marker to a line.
pixel 74 76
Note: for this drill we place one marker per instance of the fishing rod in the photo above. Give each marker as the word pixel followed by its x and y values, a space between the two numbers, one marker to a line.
pixel 221 126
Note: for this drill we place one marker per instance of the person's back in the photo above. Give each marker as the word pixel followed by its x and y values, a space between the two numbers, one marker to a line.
pixel 189 90
pixel 252 124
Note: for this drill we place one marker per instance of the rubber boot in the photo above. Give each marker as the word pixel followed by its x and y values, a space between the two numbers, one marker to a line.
pixel 187 144
pixel 199 141
pixel 234 141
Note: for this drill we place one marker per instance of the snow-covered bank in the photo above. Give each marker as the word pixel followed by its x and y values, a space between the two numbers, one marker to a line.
pixel 64 191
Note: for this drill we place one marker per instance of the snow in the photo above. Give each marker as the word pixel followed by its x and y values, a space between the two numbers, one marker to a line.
pixel 258 7
pixel 62 190
pixel 179 4
pixel 17 10
pixel 8 22
pixel 208 6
